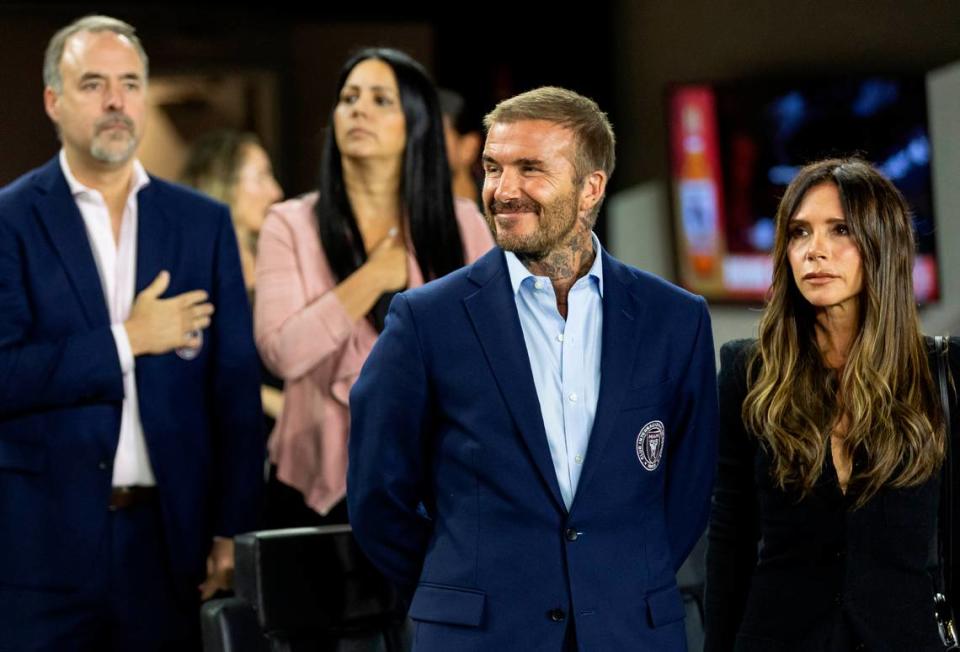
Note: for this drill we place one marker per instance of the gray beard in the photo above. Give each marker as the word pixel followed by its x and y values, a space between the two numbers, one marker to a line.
pixel 113 156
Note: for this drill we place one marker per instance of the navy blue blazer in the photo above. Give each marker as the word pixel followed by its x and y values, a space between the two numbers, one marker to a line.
pixel 453 494
pixel 61 385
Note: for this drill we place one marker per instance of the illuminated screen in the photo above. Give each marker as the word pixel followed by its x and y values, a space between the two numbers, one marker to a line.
pixel 734 149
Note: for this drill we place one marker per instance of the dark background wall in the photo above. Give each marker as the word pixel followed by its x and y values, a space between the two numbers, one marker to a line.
pixel 621 53
pixel 485 60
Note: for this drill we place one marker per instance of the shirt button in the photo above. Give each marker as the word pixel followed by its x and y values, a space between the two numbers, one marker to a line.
pixel 578 459
pixel 560 337
pixel 538 285
pixel 556 615
pixel 573 397
pixel 571 534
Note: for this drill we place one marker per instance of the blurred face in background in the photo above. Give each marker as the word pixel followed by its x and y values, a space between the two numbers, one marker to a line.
pixel 368 121
pixel 255 189
pixel 463 150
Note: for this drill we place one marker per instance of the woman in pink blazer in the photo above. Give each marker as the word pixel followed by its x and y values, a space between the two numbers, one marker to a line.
pixel 329 262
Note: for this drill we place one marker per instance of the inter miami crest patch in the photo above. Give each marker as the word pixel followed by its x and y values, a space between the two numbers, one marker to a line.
pixel 650 445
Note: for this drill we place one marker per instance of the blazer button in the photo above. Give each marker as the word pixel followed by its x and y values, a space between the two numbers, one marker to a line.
pixel 571 534
pixel 556 615
pixel 103 465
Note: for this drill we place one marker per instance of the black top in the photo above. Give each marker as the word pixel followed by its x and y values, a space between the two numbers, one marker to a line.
pixel 825 576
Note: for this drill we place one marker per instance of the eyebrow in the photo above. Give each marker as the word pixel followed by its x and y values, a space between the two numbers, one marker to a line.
pixel 520 161
pixel 830 220
pixel 99 75
pixel 388 89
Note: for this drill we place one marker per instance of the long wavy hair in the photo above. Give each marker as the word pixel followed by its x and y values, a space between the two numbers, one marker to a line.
pixel 427 195
pixel 885 391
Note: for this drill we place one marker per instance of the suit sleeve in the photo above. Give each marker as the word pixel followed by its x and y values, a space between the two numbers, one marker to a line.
pixel 36 374
pixel 238 438
pixel 734 521
pixel 693 453
pixel 385 477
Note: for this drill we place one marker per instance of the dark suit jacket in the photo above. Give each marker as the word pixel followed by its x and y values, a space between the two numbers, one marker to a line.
pixel 823 571
pixel 452 490
pixel 61 385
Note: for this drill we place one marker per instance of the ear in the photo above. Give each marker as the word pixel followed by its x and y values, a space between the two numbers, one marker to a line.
pixel 594 186
pixel 51 103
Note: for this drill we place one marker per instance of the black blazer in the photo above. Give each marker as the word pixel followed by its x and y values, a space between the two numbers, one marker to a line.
pixel 824 576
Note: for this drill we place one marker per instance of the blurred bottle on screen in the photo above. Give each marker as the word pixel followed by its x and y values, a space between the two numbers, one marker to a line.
pixel 697 187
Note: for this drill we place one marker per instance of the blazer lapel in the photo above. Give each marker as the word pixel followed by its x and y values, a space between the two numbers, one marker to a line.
pixel 494 315
pixel 152 239
pixel 64 225
pixel 623 326
pixel 153 255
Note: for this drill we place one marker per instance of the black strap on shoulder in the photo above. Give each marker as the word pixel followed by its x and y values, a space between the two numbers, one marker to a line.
pixel 945 528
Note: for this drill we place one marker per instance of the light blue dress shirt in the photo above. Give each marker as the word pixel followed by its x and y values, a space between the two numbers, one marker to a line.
pixel 565 360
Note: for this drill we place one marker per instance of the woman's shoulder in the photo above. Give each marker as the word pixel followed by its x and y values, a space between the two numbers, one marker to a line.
pixel 297 211
pixel 735 356
pixel 953 353
pixel 737 352
pixel 952 340
pixel 953 349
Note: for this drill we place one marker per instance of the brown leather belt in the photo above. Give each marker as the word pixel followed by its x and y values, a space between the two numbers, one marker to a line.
pixel 123 497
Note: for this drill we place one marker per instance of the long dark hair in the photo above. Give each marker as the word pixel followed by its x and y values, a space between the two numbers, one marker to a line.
pixel 885 388
pixel 427 196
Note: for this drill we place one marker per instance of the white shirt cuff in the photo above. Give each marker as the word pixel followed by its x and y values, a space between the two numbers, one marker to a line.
pixel 124 351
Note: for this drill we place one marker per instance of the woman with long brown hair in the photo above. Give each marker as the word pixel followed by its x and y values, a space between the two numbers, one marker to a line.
pixel 824 522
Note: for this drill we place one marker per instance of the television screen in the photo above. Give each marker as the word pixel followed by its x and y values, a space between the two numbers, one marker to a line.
pixel 735 147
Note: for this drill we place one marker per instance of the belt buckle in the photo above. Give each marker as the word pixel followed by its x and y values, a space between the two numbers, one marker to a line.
pixel 127 496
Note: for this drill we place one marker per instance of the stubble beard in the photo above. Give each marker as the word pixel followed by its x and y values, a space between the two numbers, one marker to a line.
pixel 557 223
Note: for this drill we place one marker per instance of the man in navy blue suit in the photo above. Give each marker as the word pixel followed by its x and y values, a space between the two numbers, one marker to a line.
pixel 130 443
pixel 533 437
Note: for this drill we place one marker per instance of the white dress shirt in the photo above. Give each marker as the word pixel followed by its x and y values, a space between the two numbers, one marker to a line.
pixel 117 266
pixel 565 360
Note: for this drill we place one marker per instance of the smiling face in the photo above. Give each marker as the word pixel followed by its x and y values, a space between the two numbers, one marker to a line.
pixel 532 199
pixel 824 257
pixel 368 120
pixel 101 109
